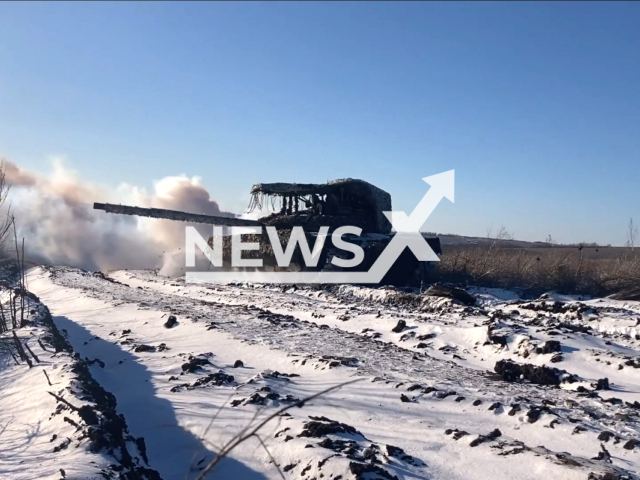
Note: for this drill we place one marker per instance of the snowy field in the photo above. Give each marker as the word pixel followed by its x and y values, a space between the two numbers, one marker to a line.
pixel 148 378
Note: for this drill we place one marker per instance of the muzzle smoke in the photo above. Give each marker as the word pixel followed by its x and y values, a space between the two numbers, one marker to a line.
pixel 55 215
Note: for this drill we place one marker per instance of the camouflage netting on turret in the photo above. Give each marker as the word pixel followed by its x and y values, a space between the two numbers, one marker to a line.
pixel 348 201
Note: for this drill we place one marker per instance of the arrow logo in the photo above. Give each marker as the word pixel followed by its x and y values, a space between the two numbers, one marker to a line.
pixel 442 185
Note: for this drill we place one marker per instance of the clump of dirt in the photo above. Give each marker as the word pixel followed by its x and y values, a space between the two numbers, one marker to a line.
pixel 217 379
pixel 171 322
pixel 140 348
pixel 336 361
pixel 368 460
pixel 550 346
pixel 401 325
pixel 557 307
pixel 195 363
pixel 364 471
pixel 486 438
pixel 511 371
pixel 451 292
pixel 323 426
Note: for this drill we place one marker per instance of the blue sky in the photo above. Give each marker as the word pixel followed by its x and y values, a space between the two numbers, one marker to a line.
pixel 536 105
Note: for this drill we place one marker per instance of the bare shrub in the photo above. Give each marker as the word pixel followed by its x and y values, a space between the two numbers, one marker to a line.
pixel 7 221
pixel 12 278
pixel 255 426
pixel 632 234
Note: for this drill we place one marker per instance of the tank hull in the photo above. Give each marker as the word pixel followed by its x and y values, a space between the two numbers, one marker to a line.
pixel 406 271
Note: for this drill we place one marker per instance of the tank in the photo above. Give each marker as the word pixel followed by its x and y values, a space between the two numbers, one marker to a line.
pixel 311 206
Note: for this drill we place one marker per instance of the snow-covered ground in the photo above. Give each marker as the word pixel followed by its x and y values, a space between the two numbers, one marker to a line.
pixel 428 403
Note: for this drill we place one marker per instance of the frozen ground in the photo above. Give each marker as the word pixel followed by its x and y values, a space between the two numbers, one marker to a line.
pixel 429 403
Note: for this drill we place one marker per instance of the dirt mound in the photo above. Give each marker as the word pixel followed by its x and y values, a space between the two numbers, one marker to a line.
pixel 541 375
pixel 451 292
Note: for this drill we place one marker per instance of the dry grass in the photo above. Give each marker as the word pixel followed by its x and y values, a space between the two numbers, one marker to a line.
pixel 588 271
pixel 255 426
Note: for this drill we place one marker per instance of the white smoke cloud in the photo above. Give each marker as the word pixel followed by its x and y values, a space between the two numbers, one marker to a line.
pixel 55 215
pixel 174 193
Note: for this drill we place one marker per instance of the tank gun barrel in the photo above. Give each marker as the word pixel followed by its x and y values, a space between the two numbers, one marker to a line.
pixel 175 215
